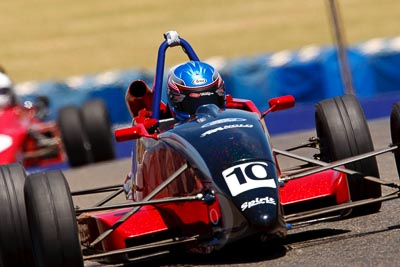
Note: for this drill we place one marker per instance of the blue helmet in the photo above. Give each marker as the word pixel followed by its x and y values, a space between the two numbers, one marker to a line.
pixel 191 85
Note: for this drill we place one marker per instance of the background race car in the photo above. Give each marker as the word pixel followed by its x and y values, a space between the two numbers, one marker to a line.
pixel 81 135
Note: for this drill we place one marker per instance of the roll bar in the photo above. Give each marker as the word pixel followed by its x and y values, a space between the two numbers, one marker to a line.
pixel 172 39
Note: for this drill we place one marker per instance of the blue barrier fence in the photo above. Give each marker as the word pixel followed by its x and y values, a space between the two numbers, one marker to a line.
pixel 309 74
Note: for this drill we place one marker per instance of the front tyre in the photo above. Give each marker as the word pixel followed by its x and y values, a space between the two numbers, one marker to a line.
pixel 52 220
pixel 15 241
pixel 343 132
pixel 395 132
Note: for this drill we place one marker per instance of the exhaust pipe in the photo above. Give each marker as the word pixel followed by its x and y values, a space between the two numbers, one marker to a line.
pixel 138 96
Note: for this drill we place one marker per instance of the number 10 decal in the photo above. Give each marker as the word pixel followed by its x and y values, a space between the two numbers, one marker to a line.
pixel 247 176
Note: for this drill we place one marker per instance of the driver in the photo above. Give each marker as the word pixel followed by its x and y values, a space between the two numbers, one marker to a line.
pixel 7 95
pixel 191 85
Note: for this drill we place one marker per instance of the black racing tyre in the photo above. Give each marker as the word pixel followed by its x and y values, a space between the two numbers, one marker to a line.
pixel 395 132
pixel 73 136
pixel 97 126
pixel 52 220
pixel 343 132
pixel 15 240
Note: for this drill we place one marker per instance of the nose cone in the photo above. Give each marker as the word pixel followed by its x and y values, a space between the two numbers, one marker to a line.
pixel 263 215
pixel 264 221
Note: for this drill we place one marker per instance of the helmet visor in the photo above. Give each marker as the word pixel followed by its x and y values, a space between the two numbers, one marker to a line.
pixel 194 99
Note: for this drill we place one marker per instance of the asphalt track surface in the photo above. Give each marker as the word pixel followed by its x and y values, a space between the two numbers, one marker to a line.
pixel 372 240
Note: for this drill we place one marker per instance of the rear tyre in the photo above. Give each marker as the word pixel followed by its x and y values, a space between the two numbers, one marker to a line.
pixel 52 220
pixel 73 136
pixel 343 132
pixel 395 132
pixel 15 240
pixel 97 126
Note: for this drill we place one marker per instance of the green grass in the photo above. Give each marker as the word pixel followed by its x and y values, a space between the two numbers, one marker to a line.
pixel 55 39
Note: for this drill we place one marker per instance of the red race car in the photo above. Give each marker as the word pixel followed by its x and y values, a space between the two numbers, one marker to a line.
pixel 197 183
pixel 81 135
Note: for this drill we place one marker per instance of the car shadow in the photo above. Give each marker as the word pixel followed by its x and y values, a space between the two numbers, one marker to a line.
pixel 247 252
pixel 328 235
pixel 243 252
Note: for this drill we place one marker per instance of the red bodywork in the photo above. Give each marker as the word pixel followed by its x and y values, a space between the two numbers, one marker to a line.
pixel 24 138
pixel 195 217
pixel 319 185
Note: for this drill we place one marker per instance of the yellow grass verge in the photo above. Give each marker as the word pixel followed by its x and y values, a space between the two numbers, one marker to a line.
pixel 55 39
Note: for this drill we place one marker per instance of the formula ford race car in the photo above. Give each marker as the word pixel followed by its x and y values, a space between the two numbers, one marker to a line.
pixel 81 135
pixel 198 185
